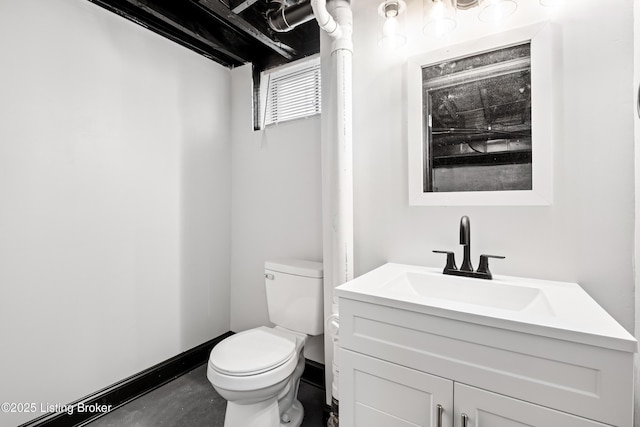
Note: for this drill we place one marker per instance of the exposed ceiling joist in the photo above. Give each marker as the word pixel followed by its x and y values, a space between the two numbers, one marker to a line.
pixel 221 10
pixel 170 17
pixel 238 6
pixel 173 30
pixel 211 28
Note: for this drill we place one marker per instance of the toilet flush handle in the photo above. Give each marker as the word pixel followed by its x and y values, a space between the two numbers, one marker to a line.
pixel 268 276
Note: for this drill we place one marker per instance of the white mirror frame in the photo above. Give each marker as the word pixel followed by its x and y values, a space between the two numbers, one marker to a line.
pixel 542 54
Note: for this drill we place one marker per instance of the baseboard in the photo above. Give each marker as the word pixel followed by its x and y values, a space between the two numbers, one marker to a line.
pixel 313 374
pixel 130 388
pixel 148 380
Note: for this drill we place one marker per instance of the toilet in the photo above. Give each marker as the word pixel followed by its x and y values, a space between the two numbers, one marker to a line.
pixel 258 371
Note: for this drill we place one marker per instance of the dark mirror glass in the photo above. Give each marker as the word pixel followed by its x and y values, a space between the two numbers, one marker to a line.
pixel 477 119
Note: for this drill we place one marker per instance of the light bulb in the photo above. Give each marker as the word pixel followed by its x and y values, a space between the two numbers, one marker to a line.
pixel 438 11
pixel 390 27
pixel 439 19
pixel 391 37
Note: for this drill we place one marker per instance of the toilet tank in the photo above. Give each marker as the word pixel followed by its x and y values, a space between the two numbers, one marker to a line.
pixel 294 294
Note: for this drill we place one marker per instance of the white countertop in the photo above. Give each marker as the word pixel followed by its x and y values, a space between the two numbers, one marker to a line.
pixel 561 310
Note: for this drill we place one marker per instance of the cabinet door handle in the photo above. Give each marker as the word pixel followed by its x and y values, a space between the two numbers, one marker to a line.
pixel 439 411
pixel 465 419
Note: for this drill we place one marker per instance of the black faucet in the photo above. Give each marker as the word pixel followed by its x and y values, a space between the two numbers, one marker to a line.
pixel 466 269
pixel 465 240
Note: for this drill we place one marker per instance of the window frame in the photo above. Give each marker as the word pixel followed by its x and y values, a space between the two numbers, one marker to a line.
pixel 267 77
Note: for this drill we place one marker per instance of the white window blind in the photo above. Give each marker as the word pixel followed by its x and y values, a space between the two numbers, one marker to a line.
pixel 293 92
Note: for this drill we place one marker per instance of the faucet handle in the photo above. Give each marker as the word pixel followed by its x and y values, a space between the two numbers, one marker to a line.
pixel 483 268
pixel 451 260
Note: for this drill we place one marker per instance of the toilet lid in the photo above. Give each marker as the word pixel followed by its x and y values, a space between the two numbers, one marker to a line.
pixel 251 352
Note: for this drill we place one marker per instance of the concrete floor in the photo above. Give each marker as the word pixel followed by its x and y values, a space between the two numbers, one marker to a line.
pixel 191 401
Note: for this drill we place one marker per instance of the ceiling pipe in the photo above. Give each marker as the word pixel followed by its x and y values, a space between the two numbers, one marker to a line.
pixel 283 18
pixel 336 19
pixel 325 19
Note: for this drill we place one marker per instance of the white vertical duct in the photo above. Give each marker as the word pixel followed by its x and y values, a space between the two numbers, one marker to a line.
pixel 338 25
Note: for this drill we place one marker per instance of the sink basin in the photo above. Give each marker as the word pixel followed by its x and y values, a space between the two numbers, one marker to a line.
pixel 485 293
pixel 561 310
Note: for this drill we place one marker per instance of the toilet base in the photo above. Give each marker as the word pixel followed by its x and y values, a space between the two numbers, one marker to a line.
pixel 263 414
pixel 259 414
pixel 295 415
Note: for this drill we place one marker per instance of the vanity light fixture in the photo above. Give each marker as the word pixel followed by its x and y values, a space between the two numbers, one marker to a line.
pixel 440 15
pixel 391 19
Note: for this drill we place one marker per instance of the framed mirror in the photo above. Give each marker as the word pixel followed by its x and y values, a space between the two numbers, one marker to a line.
pixel 480 121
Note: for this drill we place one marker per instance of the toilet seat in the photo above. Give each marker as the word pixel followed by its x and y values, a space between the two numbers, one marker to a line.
pixel 251 352
pixel 252 360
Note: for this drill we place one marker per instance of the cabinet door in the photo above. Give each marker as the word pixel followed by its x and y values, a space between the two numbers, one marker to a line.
pixel 375 393
pixel 486 409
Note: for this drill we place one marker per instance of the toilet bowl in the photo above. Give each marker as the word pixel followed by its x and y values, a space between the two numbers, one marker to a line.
pixel 258 371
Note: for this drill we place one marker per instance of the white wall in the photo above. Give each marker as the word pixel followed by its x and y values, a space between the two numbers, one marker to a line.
pixel 276 203
pixel 115 195
pixel 586 236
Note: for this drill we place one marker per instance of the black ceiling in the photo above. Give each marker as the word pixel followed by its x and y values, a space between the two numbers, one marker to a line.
pixel 230 32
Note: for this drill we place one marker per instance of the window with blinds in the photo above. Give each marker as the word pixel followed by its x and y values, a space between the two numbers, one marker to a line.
pixel 293 92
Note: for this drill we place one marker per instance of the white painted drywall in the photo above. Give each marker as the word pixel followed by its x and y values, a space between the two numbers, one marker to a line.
pixel 276 203
pixel 114 200
pixel 586 236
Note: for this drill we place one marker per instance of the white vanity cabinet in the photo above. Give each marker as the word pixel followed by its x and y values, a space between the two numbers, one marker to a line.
pixel 401 358
pixel 376 393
